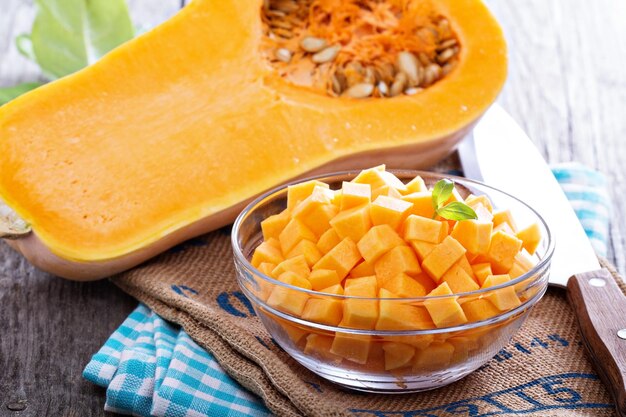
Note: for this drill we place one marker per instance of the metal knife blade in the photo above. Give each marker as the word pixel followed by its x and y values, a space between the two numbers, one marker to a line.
pixel 502 155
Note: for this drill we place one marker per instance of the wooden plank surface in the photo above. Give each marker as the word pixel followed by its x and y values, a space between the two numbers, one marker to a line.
pixel 566 88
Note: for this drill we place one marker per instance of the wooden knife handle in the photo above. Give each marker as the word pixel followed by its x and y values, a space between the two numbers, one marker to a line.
pixel 600 307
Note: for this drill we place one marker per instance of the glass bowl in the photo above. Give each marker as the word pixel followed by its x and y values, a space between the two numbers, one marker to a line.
pixel 412 357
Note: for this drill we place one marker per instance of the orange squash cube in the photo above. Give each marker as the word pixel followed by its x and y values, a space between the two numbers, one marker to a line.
pixel 505 298
pixel 323 278
pixel 297 265
pixel 378 241
pixel 388 191
pixel 342 258
pixel 397 315
pixel 445 312
pixel 320 345
pixel 504 227
pixel 459 280
pixel 352 223
pixel 502 251
pixel 323 310
pixel 316 210
pixel 483 214
pixel 504 216
pixel 336 289
pixel 364 269
pixel 422 249
pixel 397 260
pixel 294 332
pixel 266 268
pixel 522 264
pixel 352 347
pixel 307 249
pixel 473 201
pixel 293 233
pixel 530 237
pixel 442 257
pixel 286 299
pixel 416 185
pixel 357 313
pixel 422 203
pixel 354 194
pixel 407 287
pixel 380 180
pixel 273 225
pixel 298 192
pixel 389 210
pixel 397 355
pixel 425 230
pixel 274 242
pixel 462 347
pixel 435 356
pixel 371 280
pixel 328 240
pixel 475 236
pixel 482 271
pixel 479 310
pixel 265 252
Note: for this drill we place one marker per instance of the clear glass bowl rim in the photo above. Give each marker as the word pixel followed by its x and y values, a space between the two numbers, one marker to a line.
pixel 239 256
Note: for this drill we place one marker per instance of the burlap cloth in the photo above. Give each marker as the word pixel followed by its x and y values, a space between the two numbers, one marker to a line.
pixel 544 371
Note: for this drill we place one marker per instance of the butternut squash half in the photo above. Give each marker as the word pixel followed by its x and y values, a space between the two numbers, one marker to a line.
pixel 170 134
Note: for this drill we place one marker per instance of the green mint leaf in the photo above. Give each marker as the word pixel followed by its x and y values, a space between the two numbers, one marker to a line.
pixel 442 192
pixel 68 35
pixel 9 93
pixel 457 211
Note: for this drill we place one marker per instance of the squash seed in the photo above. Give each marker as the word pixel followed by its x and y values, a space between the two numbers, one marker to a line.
pixel 383 88
pixel 412 91
pixel 445 55
pixel 449 43
pixel 283 54
pixel 431 74
pixel 407 63
pixel 326 55
pixel 312 44
pixel 398 84
pixel 361 90
pixel 338 81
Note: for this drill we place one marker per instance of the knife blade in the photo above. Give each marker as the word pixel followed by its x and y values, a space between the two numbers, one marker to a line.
pixel 500 154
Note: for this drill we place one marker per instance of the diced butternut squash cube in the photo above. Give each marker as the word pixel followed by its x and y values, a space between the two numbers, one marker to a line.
pixel 274 242
pixel 422 249
pixel 504 216
pixel 342 258
pixel 530 237
pixel 335 289
pixel 425 230
pixel 323 310
pixel 416 185
pixel 266 268
pixel 364 269
pixel 459 280
pixel 360 313
pixel 354 194
pixel 504 227
pixel 397 260
pixel 265 252
pixel 295 332
pixel 320 345
pixel 273 225
pixel 521 265
pixel 464 263
pixel 323 278
pixel 435 356
pixel 293 233
pixel 289 300
pixel 264 287
pixel 442 257
pixel 445 312
pixel 319 220
pixel 504 298
pixel 297 265
pixel 388 191
pixel 371 280
pixel 473 201
pixel 352 223
pixel 394 314
pixel 475 236
pixel 298 192
pixel 483 214
pixel 316 210
pixel 479 310
pixel 502 251
pixel 397 355
pixel 407 287
pixel 462 347
pixel 378 241
pixel 389 210
pixel 352 347
pixel 307 249
pixel 482 271
pixel 379 180
pixel 422 203
pixel 328 240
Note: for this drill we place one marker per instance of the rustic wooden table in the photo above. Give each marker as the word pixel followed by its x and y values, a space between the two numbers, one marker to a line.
pixel 566 88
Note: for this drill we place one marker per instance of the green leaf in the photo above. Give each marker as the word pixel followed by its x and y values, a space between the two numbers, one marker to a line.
pixel 70 34
pixel 457 211
pixel 25 46
pixel 442 192
pixel 9 93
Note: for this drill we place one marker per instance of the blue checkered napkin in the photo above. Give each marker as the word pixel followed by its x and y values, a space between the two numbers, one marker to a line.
pixel 152 368
pixel 586 190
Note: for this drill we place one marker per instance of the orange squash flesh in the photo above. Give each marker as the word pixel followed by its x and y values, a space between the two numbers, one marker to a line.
pixel 168 135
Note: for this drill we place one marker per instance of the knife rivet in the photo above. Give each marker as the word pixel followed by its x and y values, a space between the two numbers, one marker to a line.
pixel 597 282
pixel 621 334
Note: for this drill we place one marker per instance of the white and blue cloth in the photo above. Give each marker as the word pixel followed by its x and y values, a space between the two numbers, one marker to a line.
pixel 151 367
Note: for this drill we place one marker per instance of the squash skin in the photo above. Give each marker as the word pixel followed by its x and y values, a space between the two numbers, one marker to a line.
pixel 417 144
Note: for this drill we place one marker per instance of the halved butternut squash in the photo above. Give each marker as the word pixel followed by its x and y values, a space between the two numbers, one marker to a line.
pixel 170 134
